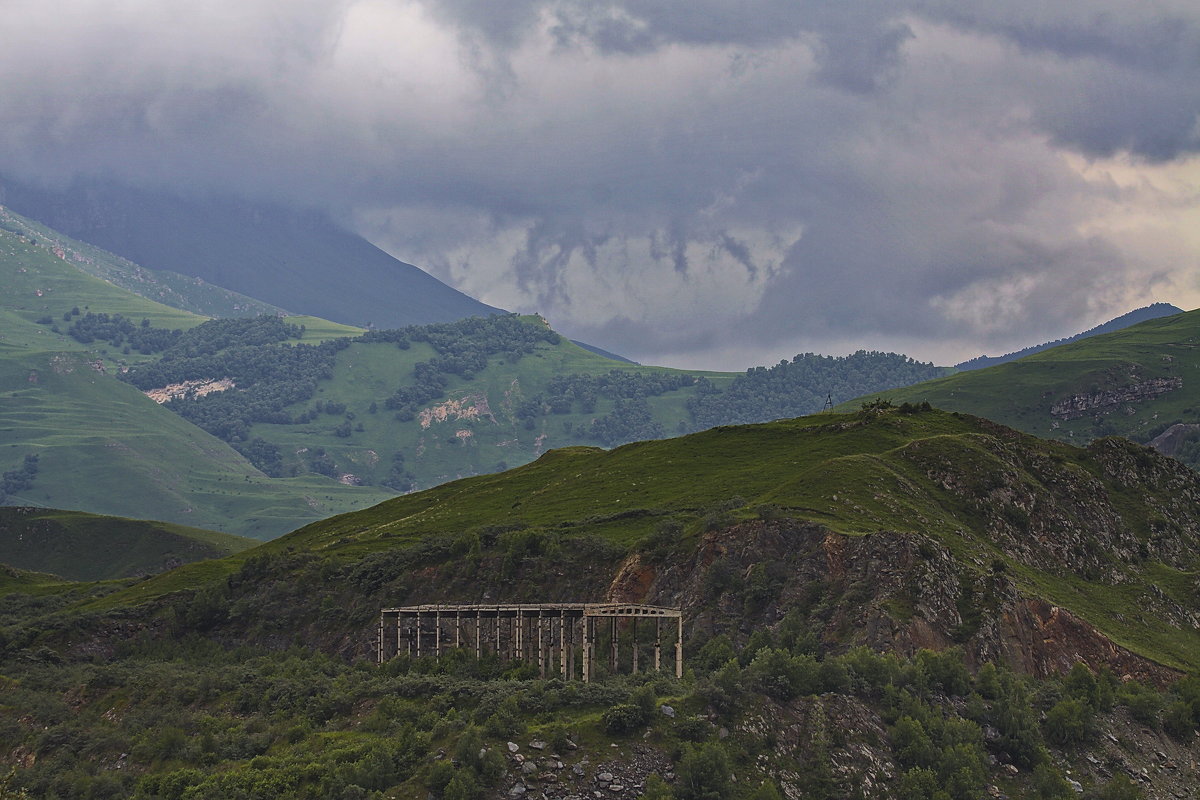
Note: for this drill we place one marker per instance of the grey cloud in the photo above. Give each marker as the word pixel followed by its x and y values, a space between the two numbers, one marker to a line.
pixel 674 151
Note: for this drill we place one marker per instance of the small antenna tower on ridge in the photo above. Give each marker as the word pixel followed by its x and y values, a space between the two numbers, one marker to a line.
pixel 828 402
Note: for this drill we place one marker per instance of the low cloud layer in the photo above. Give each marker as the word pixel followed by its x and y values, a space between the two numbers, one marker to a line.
pixel 705 183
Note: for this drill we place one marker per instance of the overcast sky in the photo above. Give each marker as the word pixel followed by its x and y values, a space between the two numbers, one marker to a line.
pixel 702 183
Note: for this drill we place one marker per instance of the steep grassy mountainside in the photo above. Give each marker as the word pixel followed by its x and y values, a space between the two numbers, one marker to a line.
pixel 1152 311
pixel 169 288
pixel 90 547
pixel 301 262
pixel 1065 579
pixel 1142 382
pixel 103 446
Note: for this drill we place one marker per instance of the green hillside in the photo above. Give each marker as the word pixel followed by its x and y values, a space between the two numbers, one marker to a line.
pixel 83 546
pixel 991 498
pixel 1058 584
pixel 299 261
pixel 1137 382
pixel 103 446
pixel 169 288
pixel 282 422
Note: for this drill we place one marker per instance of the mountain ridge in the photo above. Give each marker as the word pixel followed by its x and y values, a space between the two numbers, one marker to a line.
pixel 1152 311
pixel 302 262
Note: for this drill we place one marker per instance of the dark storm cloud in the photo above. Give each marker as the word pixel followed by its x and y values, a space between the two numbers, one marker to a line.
pixel 662 177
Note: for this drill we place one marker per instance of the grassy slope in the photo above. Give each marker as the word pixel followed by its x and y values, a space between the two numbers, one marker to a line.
pixel 103 445
pixel 1020 393
pixel 84 546
pixel 854 474
pixel 367 373
pixel 177 291
pixel 298 261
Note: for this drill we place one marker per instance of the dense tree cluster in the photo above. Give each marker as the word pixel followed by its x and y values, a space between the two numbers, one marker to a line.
pixel 19 479
pixel 463 349
pixel 120 331
pixel 802 386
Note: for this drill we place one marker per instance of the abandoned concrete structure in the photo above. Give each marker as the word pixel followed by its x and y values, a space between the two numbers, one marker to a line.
pixel 548 634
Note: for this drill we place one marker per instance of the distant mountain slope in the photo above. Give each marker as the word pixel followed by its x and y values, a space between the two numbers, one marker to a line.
pixel 1152 311
pixel 83 546
pixel 1139 382
pixel 102 445
pixel 312 418
pixel 169 288
pixel 298 261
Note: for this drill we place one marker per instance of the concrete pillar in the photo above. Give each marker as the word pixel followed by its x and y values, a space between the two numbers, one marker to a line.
pixel 541 647
pixel 437 633
pixel 587 649
pixel 457 629
pixel 418 634
pixel 478 635
pixel 499 653
pixel 571 647
pixel 635 645
pixel 679 650
pixel 613 656
pixel 562 646
pixel 658 645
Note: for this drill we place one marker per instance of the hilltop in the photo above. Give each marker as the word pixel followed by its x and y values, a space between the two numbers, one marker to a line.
pixel 91 547
pixel 1152 311
pixel 1142 382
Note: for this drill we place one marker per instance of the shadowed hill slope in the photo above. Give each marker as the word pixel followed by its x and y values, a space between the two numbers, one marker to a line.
pixel 298 261
pixel 89 547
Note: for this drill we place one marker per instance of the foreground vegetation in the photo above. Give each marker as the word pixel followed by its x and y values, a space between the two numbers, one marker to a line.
pixel 174 715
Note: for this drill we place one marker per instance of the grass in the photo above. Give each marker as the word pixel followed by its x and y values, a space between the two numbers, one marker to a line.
pixel 1021 393
pixel 104 446
pixel 84 546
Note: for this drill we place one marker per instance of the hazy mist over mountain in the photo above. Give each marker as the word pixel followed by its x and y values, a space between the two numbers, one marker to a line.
pixel 702 184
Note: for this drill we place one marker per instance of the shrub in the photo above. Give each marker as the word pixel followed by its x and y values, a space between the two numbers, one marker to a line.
pixel 703 774
pixel 623 718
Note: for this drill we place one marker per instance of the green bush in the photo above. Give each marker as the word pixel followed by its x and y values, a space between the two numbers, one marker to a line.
pixel 623 718
pixel 703 774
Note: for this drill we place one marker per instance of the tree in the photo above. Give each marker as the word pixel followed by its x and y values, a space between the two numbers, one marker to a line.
pixel 703 774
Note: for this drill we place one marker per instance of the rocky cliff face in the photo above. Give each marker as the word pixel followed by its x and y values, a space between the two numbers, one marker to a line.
pixel 1106 402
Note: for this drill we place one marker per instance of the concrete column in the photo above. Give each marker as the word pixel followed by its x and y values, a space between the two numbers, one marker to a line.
pixel 587 649
pixel 541 647
pixel 571 647
pixel 635 646
pixel 499 653
pixel 562 646
pixel 478 634
pixel 679 650
pixel 658 645
pixel 613 663
pixel 457 629
pixel 418 634
pixel 437 633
